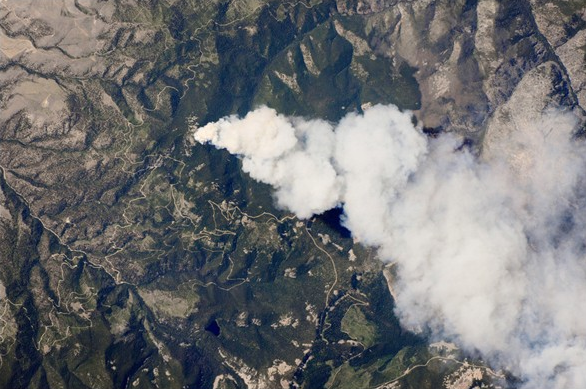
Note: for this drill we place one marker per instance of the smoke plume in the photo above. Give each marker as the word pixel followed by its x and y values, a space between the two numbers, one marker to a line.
pixel 490 252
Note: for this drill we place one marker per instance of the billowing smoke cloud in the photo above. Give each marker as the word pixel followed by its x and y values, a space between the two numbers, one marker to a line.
pixel 491 253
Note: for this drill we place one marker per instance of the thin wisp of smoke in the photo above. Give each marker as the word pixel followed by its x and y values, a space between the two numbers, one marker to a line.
pixel 489 251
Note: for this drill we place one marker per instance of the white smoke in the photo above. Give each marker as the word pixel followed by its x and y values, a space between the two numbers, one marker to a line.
pixel 490 253
pixel 292 155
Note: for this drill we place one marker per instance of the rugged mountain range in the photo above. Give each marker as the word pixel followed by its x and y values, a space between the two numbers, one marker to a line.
pixel 132 257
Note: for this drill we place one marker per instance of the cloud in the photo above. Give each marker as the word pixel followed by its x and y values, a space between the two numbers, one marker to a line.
pixel 490 251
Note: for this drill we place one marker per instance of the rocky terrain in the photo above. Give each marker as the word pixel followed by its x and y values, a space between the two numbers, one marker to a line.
pixel 132 257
